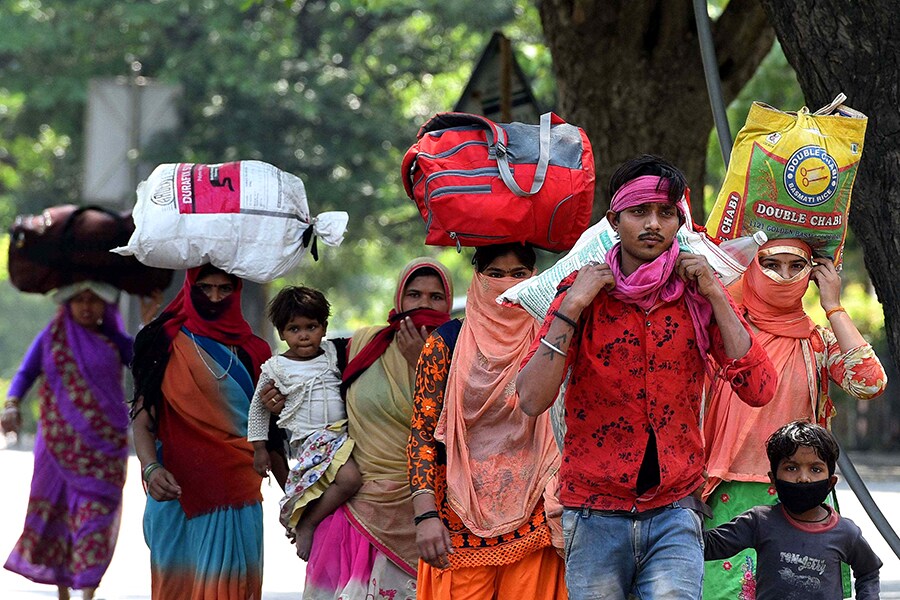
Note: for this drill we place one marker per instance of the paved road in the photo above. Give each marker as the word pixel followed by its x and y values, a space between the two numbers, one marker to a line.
pixel 128 577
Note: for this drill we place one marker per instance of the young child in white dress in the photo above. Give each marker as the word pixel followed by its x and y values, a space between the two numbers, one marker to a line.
pixel 314 415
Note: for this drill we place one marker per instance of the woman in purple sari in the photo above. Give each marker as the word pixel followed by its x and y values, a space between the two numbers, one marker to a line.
pixel 80 450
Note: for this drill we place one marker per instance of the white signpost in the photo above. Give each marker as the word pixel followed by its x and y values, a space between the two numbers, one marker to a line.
pixel 123 114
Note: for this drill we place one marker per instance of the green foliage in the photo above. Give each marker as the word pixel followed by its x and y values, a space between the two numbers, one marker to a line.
pixel 331 91
pixel 24 315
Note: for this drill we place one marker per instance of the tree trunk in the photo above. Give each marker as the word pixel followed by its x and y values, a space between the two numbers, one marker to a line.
pixel 631 75
pixel 837 46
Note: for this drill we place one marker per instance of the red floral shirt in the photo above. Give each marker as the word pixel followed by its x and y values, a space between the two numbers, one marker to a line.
pixel 633 372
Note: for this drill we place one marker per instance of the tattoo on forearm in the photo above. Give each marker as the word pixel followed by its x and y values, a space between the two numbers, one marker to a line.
pixel 554 349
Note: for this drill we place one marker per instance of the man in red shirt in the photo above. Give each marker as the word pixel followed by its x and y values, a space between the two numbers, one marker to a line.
pixel 637 333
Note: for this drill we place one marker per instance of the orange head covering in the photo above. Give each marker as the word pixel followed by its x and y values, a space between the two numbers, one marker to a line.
pixel 775 304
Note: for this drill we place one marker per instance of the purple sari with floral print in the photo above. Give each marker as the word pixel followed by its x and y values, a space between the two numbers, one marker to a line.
pixel 80 452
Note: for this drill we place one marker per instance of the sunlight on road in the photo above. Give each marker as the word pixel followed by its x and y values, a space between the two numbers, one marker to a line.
pixel 128 577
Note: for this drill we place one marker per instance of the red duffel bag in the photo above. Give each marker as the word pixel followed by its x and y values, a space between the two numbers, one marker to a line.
pixel 477 182
pixel 67 244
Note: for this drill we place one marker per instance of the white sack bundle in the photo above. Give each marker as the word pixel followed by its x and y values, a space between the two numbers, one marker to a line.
pixel 536 294
pixel 248 218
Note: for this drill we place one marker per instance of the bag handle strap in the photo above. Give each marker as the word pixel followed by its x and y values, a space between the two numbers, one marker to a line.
pixel 495 135
pixel 540 172
pixel 497 144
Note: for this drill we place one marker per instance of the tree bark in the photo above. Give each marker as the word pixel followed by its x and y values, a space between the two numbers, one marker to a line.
pixel 631 75
pixel 851 47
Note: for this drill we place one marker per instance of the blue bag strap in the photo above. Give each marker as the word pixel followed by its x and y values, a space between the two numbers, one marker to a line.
pixel 449 331
pixel 540 172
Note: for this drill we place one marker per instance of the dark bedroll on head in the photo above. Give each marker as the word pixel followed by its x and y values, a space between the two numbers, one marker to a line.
pixel 66 244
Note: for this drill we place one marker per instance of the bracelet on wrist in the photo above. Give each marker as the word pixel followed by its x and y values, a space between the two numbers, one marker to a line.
pixel 565 319
pixel 835 310
pixel 552 347
pixel 431 514
pixel 148 470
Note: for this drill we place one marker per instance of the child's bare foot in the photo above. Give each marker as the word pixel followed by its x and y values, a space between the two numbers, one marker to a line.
pixel 304 540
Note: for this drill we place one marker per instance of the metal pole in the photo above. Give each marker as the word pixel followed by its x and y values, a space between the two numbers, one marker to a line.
pixel 713 83
pixel 505 79
pixel 851 476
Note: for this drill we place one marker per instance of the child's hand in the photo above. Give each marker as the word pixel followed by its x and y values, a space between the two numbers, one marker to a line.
pixel 261 462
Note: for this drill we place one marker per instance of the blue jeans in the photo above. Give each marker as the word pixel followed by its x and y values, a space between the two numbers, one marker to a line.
pixel 653 556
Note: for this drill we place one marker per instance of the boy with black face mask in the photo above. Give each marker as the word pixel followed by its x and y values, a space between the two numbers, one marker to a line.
pixel 800 542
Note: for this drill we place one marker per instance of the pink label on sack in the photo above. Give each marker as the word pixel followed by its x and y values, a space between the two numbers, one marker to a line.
pixel 208 189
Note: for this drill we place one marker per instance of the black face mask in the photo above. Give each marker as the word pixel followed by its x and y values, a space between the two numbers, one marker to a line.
pixel 206 308
pixel 801 497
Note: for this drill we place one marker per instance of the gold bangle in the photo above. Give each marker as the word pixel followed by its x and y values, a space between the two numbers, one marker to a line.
pixel 834 310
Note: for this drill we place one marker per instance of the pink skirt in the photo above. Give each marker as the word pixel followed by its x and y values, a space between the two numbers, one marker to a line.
pixel 344 565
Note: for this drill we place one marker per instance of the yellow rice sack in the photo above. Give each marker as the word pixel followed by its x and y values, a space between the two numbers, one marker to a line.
pixel 790 175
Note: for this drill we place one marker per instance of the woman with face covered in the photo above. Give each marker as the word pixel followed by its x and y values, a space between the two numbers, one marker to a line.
pixel 481 470
pixel 81 448
pixel 366 549
pixel 195 369
pixel 806 357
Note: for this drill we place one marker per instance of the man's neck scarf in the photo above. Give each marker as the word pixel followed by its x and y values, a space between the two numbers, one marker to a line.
pixel 656 282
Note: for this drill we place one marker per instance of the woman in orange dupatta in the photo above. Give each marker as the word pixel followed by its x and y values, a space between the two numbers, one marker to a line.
pixel 806 357
pixel 482 472
pixel 195 369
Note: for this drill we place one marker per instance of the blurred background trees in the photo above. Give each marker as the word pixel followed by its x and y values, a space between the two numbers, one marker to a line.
pixel 334 92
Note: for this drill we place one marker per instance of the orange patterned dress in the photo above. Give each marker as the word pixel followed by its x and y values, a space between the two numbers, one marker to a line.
pixel 427 471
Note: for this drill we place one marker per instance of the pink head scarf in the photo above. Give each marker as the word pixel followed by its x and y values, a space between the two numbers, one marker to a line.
pixel 655 282
pixel 641 190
